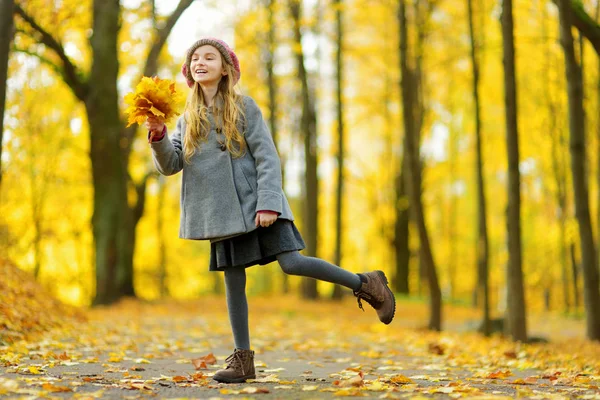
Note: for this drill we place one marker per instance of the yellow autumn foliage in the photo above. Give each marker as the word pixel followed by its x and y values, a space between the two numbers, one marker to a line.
pixel 152 97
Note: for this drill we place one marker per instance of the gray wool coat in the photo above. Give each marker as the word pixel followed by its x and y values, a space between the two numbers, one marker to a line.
pixel 220 195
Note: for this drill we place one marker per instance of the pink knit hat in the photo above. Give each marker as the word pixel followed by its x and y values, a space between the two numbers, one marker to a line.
pixel 228 56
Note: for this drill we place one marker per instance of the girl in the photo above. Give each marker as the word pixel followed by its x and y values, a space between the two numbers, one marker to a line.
pixel 231 194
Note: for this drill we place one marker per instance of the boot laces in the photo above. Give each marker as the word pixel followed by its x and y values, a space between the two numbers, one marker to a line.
pixel 235 361
pixel 367 297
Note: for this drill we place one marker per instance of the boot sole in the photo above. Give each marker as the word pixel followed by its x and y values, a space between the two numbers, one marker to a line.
pixel 235 380
pixel 384 279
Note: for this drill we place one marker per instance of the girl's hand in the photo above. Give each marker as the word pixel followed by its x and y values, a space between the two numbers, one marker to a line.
pixel 265 219
pixel 155 127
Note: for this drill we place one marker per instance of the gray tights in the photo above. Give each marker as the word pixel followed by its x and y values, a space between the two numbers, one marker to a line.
pixel 292 263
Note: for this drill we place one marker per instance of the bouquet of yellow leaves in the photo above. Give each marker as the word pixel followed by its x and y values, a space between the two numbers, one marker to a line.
pixel 153 97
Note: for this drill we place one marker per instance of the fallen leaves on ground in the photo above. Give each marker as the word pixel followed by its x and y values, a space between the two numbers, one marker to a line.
pixel 328 350
pixel 27 309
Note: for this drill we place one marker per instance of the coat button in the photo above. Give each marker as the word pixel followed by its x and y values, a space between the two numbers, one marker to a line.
pixel 218 130
pixel 223 147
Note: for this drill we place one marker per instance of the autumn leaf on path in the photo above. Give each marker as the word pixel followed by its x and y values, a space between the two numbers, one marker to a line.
pixel 309 388
pixel 401 379
pixel 56 389
pixel 510 354
pixel 499 375
pixel 92 378
pixel 138 386
pixel 197 376
pixel 34 370
pixel 253 390
pixel 205 361
pixel 436 348
pixel 552 377
pixel 350 392
pixel 267 379
pixel 354 381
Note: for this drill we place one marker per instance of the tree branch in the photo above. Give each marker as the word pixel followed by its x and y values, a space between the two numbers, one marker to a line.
pixel 70 74
pixel 44 60
pixel 140 189
pixel 589 28
pixel 154 24
pixel 161 37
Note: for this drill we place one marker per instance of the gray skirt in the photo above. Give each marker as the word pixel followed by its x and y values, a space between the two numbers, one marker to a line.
pixel 261 246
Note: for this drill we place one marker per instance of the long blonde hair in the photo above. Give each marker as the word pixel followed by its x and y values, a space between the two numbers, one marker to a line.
pixel 227 116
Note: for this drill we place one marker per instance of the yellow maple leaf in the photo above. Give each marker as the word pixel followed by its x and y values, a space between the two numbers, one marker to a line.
pixel 152 97
pixel 34 370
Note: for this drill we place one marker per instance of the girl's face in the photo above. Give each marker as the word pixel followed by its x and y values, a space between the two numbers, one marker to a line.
pixel 206 65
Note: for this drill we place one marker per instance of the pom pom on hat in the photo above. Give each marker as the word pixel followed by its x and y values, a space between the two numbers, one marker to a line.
pixel 226 52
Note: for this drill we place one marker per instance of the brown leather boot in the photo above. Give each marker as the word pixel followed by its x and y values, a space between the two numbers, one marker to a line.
pixel 240 366
pixel 376 292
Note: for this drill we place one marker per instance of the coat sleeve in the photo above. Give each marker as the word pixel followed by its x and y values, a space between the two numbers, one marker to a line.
pixel 168 153
pixel 268 167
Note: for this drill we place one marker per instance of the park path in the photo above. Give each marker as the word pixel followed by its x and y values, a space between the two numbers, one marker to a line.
pixel 305 350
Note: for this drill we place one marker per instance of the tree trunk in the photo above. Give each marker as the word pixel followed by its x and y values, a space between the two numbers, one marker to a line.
pixel 37 248
pixel 272 85
pixel 561 199
pixel 126 287
pixel 308 125
pixel 482 235
pixel 547 298
pixel 516 325
pixel 598 138
pixel 337 260
pixel 558 165
pixel 564 261
pixel 111 217
pixel 584 23
pixel 113 221
pixel 38 197
pixel 397 163
pixel 580 187
pixel 163 287
pixel 401 228
pixel 575 272
pixel 451 224
pixel 413 178
pixel 6 37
